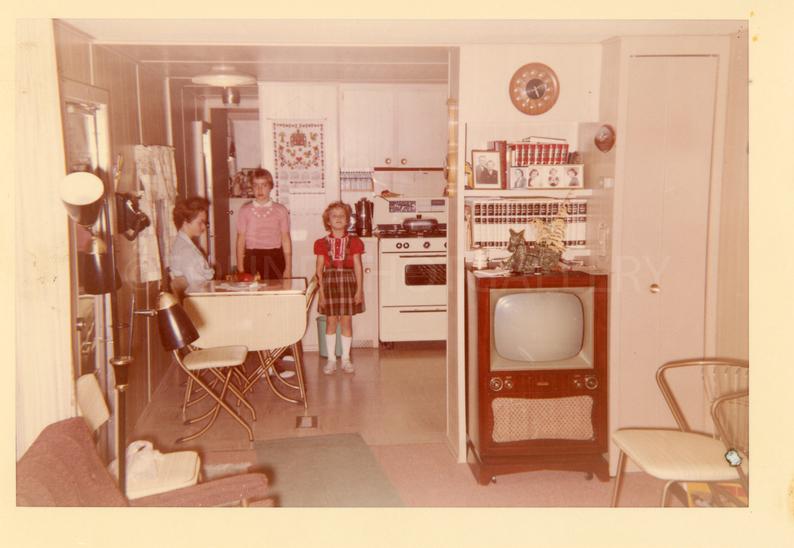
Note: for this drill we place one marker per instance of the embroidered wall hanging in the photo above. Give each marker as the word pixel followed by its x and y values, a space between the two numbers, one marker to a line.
pixel 299 149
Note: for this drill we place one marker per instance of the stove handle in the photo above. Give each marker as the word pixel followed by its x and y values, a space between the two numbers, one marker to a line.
pixel 422 311
pixel 423 256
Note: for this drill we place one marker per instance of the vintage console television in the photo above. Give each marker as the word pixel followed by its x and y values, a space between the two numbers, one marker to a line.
pixel 536 377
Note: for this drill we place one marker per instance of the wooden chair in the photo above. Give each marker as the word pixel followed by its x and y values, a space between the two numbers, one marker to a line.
pixel 686 456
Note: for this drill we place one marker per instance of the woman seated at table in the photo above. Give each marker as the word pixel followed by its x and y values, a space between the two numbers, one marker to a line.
pixel 187 259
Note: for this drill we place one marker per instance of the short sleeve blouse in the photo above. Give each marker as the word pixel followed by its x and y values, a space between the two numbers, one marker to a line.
pixel 339 251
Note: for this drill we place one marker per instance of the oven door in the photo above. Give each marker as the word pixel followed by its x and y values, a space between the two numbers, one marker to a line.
pixel 413 279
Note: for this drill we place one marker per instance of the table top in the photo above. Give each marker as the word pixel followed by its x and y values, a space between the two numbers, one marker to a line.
pixel 287 286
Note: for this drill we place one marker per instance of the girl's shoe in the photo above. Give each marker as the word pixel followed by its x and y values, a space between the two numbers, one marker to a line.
pixel 329 367
pixel 347 366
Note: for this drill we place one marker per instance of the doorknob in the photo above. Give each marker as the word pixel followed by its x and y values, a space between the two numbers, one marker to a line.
pixel 655 288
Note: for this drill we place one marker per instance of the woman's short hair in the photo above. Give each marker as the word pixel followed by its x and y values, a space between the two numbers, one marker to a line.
pixel 187 209
pixel 336 205
pixel 261 173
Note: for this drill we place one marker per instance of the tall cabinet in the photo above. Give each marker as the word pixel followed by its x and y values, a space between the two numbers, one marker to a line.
pixel 669 110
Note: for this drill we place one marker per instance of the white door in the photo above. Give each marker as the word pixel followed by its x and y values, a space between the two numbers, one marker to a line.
pixel 661 278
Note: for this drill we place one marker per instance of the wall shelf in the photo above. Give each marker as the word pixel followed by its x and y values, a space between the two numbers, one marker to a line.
pixel 537 193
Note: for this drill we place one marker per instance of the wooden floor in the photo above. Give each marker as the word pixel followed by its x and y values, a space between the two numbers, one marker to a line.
pixel 396 401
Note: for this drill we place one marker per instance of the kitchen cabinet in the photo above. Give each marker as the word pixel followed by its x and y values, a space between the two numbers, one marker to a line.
pixel 365 325
pixel 392 126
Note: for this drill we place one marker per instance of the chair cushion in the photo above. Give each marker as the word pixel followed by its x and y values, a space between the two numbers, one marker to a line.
pixel 218 356
pixel 676 455
pixel 174 471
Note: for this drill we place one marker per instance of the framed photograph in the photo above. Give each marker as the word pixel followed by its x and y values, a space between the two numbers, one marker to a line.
pixel 518 178
pixel 487 169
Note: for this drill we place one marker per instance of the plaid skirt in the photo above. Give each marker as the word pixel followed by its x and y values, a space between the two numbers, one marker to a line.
pixel 339 288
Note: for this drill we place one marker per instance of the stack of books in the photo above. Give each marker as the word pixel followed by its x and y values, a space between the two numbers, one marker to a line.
pixel 529 165
pixel 492 219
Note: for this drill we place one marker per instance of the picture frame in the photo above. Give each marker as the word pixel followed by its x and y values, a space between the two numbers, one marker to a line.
pixel 518 178
pixel 487 168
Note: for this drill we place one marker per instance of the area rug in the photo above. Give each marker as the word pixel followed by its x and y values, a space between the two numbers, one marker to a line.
pixel 336 471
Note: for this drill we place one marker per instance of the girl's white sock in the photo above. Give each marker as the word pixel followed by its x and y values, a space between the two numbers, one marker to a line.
pixel 330 345
pixel 346 343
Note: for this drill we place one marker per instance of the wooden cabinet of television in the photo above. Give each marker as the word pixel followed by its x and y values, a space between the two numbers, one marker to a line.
pixel 536 415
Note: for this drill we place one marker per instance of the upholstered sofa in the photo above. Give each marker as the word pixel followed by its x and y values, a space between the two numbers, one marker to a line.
pixel 63 468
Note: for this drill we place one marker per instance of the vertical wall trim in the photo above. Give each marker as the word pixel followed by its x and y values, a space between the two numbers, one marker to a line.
pixel 169 123
pixel 138 102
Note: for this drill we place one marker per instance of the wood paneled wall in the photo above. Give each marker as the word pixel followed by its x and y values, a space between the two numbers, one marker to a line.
pixel 137 116
pixel 44 387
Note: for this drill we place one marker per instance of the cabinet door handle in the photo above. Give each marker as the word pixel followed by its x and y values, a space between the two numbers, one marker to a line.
pixel 655 288
pixel 367 270
pixel 387 161
pixel 403 161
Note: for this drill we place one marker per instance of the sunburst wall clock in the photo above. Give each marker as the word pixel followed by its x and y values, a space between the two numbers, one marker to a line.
pixel 534 88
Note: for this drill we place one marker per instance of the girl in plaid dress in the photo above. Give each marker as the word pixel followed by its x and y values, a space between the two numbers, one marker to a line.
pixel 341 281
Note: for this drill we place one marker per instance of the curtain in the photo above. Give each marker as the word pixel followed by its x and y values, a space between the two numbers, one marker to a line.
pixel 156 169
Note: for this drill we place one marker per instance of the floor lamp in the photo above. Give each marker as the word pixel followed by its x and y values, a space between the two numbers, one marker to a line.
pixel 83 196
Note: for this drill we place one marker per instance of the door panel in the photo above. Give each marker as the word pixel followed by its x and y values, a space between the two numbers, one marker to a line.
pixel 220 187
pixel 665 220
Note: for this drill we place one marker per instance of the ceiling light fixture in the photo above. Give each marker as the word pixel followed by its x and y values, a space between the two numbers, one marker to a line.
pixel 230 96
pixel 224 77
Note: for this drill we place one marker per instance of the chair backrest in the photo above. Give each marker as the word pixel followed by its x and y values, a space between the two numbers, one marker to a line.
pixel 62 468
pixel 721 376
pixel 91 402
pixel 311 290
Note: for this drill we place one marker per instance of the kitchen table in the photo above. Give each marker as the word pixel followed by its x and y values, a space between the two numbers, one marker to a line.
pixel 268 317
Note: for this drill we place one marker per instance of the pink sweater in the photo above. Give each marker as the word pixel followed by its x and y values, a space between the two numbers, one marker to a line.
pixel 263 226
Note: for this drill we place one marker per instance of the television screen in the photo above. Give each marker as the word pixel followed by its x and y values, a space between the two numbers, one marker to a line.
pixel 542 327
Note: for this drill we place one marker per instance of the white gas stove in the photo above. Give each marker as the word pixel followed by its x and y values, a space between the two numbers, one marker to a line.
pixel 412 266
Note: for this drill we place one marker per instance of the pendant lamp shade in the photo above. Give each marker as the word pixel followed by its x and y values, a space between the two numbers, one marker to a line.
pixel 95 269
pixel 224 77
pixel 81 194
pixel 176 329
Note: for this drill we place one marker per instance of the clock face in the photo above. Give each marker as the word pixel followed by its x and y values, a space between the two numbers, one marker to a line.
pixel 534 88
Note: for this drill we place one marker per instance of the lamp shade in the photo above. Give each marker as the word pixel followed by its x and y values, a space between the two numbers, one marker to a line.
pixel 176 329
pixel 95 269
pixel 82 193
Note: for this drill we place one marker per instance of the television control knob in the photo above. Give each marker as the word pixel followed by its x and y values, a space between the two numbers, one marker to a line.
pixel 578 382
pixel 591 383
pixel 508 384
pixel 426 245
pixel 496 384
pixel 655 288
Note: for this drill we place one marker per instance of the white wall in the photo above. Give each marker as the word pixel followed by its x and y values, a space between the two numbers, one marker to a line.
pixel 485 73
pixel 44 389
pixel 486 113
pixel 303 101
